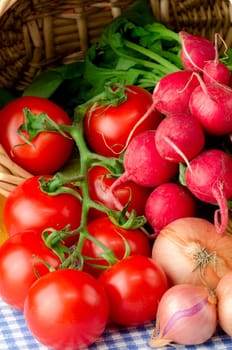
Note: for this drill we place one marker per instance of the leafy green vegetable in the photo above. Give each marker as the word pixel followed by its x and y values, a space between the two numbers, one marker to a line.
pixel 133 49
pixel 140 55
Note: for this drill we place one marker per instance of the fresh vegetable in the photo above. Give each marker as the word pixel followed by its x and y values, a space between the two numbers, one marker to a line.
pixel 116 247
pixel 126 282
pixel 44 153
pixel 186 315
pixel 211 104
pixel 172 93
pixel 28 207
pixel 168 202
pixel 66 309
pixel 196 51
pixel 128 194
pixel 134 53
pixel 216 71
pixel 189 250
pixel 23 258
pixel 179 137
pixel 223 293
pixel 143 164
pixel 209 178
pixel 122 242
pixel 110 125
pixel 133 49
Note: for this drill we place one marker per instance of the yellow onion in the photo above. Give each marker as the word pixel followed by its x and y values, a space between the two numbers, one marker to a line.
pixel 224 296
pixel 191 251
pixel 186 315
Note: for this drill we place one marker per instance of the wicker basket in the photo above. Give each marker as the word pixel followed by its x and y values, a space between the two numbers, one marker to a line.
pixel 36 34
pixel 205 17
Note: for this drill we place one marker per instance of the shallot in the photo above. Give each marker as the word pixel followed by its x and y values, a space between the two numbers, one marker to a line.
pixel 186 315
pixel 224 295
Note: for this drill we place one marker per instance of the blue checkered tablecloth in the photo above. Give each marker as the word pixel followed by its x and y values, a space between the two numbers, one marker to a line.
pixel 14 335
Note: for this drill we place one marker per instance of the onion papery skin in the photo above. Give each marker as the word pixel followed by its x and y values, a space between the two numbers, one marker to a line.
pixel 224 296
pixel 186 315
pixel 180 246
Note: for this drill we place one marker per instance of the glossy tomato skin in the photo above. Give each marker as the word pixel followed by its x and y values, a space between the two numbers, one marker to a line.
pixel 134 287
pixel 48 151
pixel 99 191
pixel 21 257
pixel 113 237
pixel 66 309
pixel 107 128
pixel 29 208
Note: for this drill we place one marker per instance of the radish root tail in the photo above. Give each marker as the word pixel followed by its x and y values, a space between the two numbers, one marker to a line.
pixel 221 215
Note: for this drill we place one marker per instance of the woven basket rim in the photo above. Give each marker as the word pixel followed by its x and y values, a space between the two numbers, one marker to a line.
pixel 46 34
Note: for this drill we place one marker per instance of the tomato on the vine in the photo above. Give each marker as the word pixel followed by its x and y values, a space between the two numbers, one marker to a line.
pixel 28 207
pixel 99 190
pixel 45 153
pixel 66 309
pixel 23 257
pixel 134 287
pixel 114 238
pixel 107 128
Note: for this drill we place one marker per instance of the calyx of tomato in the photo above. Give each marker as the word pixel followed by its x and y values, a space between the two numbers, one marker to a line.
pixel 57 184
pixel 34 124
pixel 112 96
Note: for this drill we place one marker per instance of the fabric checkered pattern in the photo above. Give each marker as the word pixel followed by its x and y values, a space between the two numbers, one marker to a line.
pixel 14 335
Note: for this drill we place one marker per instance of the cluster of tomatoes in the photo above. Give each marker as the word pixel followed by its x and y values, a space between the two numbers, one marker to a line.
pixel 74 263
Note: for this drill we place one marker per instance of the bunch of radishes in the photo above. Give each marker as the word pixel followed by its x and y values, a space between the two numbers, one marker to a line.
pixel 197 105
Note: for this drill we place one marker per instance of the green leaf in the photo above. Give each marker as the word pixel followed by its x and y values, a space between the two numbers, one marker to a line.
pixel 44 85
pixel 47 82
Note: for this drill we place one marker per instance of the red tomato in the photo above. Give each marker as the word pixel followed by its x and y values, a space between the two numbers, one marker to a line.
pixel 66 309
pixel 99 191
pixel 107 128
pixel 113 237
pixel 29 208
pixel 21 256
pixel 134 287
pixel 48 151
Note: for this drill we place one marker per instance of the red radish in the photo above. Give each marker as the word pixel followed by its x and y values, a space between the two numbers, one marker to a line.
pixel 143 164
pixel 209 178
pixel 196 51
pixel 179 137
pixel 167 202
pixel 211 104
pixel 172 93
pixel 215 71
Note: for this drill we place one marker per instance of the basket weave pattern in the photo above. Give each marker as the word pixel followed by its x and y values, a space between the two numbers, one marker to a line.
pixel 197 17
pixel 36 34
